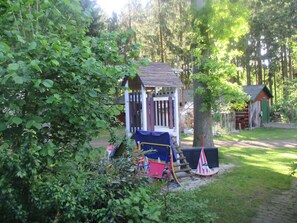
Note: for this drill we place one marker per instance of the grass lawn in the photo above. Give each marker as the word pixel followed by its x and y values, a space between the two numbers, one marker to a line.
pixel 105 135
pixel 256 134
pixel 259 174
pixel 261 134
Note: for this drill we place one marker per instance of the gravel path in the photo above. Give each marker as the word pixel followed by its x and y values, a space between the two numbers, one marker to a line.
pixel 196 181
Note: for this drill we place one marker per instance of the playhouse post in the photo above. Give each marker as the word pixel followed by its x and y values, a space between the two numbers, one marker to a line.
pixel 144 108
pixel 176 116
pixel 127 108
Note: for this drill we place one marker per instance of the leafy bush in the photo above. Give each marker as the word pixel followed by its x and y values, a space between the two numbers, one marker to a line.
pixel 140 206
pixel 82 190
pixel 284 112
pixel 56 90
pixel 287 107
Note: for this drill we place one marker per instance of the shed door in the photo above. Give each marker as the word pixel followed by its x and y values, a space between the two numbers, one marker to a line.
pixel 265 111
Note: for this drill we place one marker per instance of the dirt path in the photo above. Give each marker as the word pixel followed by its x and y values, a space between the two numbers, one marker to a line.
pixel 282 208
pixel 276 143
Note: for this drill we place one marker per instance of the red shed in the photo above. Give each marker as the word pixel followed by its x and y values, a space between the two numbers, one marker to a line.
pixel 257 111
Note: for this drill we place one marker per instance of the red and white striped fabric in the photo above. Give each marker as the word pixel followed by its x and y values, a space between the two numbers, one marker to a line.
pixel 202 167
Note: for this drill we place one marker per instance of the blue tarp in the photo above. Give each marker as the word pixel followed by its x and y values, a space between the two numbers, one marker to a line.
pixel 161 152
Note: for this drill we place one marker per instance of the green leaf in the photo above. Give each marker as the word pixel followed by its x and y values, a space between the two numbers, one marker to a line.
pixel 55 62
pixel 92 93
pixel 20 39
pixel 4 146
pixel 51 152
pixel 21 174
pixel 29 124
pixel 17 120
pixel 36 122
pixel 37 83
pixel 100 123
pixel 13 67
pixel 4 47
pixel 79 158
pixel 32 46
pixel 48 83
pixel 37 125
pixel 2 126
pixel 18 80
pixel 35 65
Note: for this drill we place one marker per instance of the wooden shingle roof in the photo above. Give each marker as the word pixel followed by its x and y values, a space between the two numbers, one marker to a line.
pixel 255 90
pixel 159 75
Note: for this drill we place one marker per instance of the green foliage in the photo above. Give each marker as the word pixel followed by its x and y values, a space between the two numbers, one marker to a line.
pixel 81 189
pixel 287 107
pixel 57 86
pixel 284 112
pixel 215 53
pixel 163 30
pixel 140 206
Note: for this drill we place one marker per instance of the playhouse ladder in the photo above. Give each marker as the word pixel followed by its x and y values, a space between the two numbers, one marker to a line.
pixel 182 169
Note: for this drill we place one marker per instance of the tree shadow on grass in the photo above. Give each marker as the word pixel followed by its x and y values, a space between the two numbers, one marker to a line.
pixel 259 175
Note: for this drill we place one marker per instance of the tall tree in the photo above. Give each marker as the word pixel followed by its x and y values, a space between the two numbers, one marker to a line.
pixel 273 25
pixel 213 55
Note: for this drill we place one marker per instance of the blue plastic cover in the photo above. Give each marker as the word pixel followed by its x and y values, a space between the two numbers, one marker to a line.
pixel 161 152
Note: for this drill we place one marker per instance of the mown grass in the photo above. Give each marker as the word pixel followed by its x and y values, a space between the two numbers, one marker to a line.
pixel 256 134
pixel 105 134
pixel 258 175
pixel 261 134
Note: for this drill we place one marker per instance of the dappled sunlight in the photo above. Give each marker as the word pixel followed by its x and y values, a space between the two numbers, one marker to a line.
pixel 276 160
pixel 260 134
pixel 289 155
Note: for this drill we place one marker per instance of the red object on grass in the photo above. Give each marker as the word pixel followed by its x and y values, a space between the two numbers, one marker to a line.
pixel 202 167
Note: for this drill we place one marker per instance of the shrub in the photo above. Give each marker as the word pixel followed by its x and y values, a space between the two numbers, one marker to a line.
pixel 57 86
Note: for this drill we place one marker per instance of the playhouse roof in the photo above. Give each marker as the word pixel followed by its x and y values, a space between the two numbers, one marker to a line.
pixel 158 75
pixel 255 90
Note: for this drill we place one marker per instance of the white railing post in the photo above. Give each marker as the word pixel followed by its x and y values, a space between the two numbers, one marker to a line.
pixel 144 108
pixel 176 116
pixel 127 108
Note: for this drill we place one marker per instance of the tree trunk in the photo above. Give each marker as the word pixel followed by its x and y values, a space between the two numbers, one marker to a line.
pixel 202 119
pixel 270 68
pixel 284 62
pixel 291 74
pixel 274 77
pixel 259 61
pixel 161 32
pixel 248 66
pixel 238 73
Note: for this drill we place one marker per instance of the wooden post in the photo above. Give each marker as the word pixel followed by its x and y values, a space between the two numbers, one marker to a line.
pixel 150 114
pixel 170 112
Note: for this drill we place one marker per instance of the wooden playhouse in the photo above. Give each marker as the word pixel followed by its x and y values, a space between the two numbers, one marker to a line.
pixel 152 100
